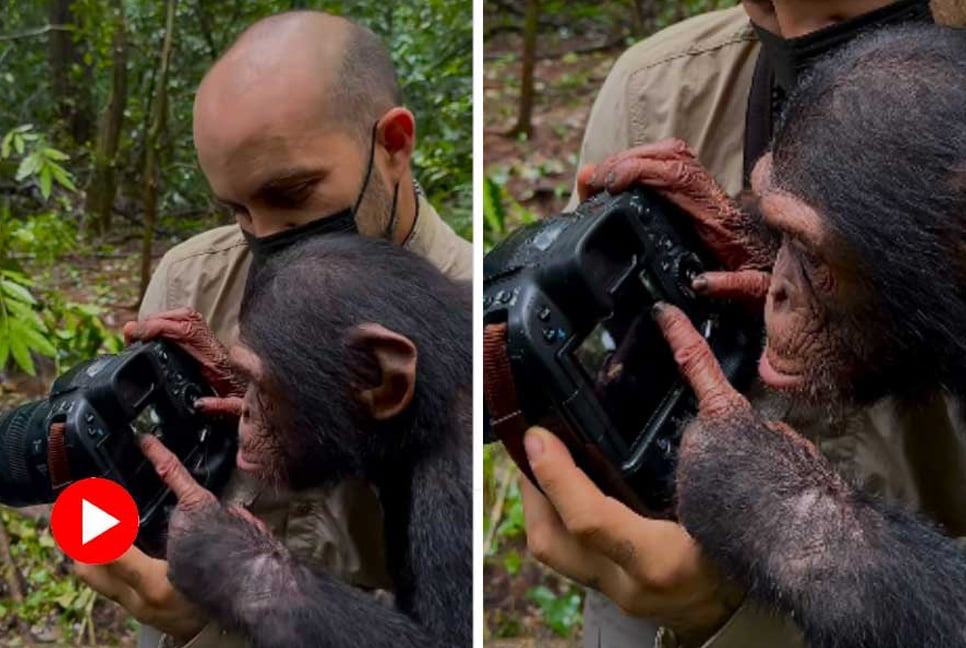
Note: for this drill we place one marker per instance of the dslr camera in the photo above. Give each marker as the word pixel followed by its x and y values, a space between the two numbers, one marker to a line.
pixel 88 424
pixel 570 343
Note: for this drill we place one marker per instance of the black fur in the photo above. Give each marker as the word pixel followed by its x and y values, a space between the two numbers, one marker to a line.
pixel 298 310
pixel 851 570
pixel 875 140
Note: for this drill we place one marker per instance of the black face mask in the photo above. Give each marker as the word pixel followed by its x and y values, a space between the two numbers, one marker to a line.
pixel 343 222
pixel 789 57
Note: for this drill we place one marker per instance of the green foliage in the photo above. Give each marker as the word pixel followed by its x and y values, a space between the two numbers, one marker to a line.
pixel 50 593
pixel 561 612
pixel 501 212
pixel 53 327
pixel 39 163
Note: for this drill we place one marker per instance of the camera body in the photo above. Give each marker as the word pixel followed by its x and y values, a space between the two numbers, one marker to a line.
pixel 149 388
pixel 574 292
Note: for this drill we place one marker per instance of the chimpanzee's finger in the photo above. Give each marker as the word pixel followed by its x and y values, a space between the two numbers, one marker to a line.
pixel 744 285
pixel 586 178
pixel 174 324
pixel 696 361
pixel 172 472
pixel 214 406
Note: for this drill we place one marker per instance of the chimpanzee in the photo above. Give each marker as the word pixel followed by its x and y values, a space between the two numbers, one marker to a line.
pixel 358 358
pixel 866 184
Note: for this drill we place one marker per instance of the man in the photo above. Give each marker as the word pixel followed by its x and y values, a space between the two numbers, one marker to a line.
pixel 709 82
pixel 299 130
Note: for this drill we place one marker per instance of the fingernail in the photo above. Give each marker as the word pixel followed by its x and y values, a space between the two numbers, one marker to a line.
pixel 533 444
pixel 657 309
pixel 700 284
pixel 609 180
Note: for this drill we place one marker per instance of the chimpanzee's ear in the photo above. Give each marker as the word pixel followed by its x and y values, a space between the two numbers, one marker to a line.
pixel 395 357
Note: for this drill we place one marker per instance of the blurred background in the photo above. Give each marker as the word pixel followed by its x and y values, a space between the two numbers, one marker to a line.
pixel 544 63
pixel 98 178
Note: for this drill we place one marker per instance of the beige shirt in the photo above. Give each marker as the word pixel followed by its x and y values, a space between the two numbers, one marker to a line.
pixel 692 81
pixel 338 530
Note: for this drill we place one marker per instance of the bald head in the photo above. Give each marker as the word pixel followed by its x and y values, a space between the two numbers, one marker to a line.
pixel 310 60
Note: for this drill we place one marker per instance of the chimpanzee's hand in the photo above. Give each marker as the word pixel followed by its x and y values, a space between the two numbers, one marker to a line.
pixel 650 568
pixel 187 328
pixel 671 168
pixel 224 560
pixel 738 477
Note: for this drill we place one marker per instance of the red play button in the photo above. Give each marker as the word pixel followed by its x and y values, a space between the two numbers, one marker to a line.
pixel 94 521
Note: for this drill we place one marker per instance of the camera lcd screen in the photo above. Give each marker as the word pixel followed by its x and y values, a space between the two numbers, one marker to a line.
pixel 630 366
pixel 147 421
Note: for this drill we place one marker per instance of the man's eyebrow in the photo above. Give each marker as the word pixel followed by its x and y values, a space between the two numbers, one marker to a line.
pixel 288 177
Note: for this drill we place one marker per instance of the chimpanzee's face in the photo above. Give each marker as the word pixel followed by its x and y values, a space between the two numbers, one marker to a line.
pixel 259 442
pixel 818 313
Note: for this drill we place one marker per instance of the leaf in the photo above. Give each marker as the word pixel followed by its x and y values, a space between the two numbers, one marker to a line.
pixel 54 154
pixel 38 342
pixel 28 166
pixel 5 146
pixel 4 349
pixel 21 355
pixel 18 144
pixel 62 176
pixel 15 291
pixel 46 182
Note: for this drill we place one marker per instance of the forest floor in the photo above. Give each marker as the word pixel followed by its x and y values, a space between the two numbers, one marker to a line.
pixel 525 604
pixel 51 608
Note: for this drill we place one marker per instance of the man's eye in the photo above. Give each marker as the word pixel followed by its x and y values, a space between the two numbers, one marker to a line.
pixel 294 195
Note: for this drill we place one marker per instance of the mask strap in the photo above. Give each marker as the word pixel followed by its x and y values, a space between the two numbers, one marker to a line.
pixel 372 156
pixel 391 228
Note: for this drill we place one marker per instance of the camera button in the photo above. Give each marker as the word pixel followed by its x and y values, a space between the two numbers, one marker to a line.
pixel 89 417
pixel 487 301
pixel 544 314
pixel 504 296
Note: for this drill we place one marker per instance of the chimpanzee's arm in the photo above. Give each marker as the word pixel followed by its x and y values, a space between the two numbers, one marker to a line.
pixel 248 581
pixel 853 571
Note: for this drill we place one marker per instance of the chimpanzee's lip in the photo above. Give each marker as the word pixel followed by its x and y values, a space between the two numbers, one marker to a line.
pixel 243 462
pixel 775 378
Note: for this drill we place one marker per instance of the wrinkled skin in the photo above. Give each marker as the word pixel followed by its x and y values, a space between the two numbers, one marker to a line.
pixel 259 449
pixel 822 343
pixel 734 235
pixel 187 328
pixel 771 512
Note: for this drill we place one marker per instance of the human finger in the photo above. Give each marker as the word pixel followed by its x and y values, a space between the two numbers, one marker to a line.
pixel 597 520
pixel 695 360
pixel 173 473
pixel 553 545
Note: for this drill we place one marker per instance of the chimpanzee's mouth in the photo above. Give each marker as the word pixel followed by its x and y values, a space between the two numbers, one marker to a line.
pixel 776 378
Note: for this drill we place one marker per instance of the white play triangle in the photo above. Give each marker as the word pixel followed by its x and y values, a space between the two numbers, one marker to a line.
pixel 94 521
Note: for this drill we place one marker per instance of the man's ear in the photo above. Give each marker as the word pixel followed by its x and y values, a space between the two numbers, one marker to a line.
pixel 395 358
pixel 396 133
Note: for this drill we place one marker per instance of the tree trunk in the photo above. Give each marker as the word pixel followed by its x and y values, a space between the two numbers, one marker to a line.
pixel 72 98
pixel 103 186
pixel 524 125
pixel 152 144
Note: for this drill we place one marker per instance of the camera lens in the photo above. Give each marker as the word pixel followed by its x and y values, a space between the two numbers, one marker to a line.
pixel 18 430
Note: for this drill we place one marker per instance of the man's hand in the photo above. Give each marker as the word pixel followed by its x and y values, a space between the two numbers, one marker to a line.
pixel 140 585
pixel 650 568
pixel 670 168
pixel 187 328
